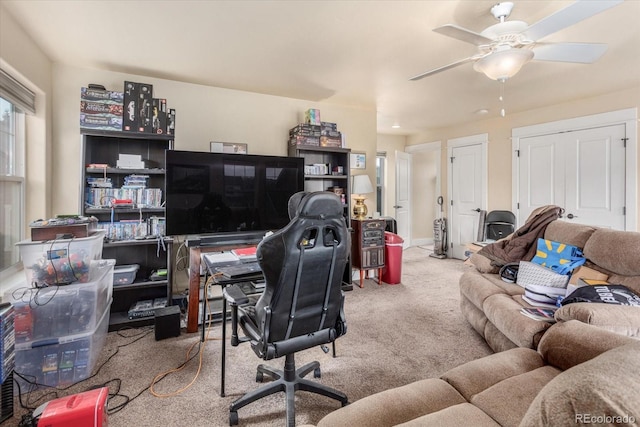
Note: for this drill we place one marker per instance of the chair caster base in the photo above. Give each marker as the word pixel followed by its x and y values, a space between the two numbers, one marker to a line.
pixel 233 418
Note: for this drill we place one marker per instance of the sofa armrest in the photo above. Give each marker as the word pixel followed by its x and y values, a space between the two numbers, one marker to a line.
pixel 570 343
pixel 621 319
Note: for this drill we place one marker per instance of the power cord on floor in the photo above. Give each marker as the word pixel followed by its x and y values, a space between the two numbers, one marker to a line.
pixel 188 356
pixel 53 394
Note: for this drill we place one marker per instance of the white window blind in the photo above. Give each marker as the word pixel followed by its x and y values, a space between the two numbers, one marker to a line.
pixel 15 92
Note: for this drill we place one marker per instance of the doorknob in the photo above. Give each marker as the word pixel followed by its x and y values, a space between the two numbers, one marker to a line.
pixel 397 207
pixel 571 216
pixel 476 210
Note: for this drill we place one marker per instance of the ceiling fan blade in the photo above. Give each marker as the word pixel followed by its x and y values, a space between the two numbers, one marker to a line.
pixel 584 53
pixel 463 34
pixel 446 67
pixel 570 15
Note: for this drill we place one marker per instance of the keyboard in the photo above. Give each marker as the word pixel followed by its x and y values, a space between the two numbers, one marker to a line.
pixel 240 270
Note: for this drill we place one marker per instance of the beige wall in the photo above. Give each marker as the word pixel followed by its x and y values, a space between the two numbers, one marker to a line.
pixel 24 60
pixel 203 114
pixel 499 130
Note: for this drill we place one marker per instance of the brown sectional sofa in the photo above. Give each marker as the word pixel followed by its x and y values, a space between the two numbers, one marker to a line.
pixel 492 306
pixel 584 369
pixel 579 372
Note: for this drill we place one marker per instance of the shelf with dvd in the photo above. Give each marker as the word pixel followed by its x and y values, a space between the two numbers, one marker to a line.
pixel 122 185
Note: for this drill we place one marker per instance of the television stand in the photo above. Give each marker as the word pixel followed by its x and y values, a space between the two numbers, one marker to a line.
pixel 225 239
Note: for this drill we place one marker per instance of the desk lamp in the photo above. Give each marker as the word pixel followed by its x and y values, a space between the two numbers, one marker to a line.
pixel 360 185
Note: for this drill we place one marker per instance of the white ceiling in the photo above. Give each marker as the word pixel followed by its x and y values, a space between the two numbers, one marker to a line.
pixel 359 53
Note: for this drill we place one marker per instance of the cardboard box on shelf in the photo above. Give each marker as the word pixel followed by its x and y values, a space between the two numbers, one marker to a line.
pixel 103 96
pixel 138 98
pixel 329 141
pixel 312 141
pixel 312 116
pixel 159 112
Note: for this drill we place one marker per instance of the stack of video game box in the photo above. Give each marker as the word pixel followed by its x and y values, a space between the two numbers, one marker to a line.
pixel 100 109
pixel 330 136
pixel 305 134
pixel 7 341
pixel 132 110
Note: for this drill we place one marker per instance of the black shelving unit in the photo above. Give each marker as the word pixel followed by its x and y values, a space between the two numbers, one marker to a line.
pixel 151 253
pixel 333 157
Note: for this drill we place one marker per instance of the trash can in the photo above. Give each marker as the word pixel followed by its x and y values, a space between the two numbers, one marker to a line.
pixel 392 271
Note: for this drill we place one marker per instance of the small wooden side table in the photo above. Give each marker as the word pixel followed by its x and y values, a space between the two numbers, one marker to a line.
pixel 367 246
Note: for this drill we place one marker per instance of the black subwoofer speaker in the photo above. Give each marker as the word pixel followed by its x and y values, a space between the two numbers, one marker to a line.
pixel 167 322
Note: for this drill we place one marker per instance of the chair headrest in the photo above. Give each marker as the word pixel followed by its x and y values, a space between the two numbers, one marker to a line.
pixel 294 203
pixel 320 204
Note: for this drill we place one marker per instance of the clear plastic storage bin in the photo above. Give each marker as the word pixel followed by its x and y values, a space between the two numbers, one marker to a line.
pixel 125 274
pixel 62 361
pixel 57 311
pixel 60 261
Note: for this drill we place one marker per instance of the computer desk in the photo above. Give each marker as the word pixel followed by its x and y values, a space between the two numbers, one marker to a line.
pixel 195 257
pixel 223 282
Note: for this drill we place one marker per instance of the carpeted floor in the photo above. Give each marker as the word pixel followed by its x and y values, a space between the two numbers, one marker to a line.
pixel 396 334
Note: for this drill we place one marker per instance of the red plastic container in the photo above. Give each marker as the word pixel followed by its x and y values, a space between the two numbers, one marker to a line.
pixel 392 271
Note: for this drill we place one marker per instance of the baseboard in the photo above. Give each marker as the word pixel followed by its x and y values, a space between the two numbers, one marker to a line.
pixel 422 242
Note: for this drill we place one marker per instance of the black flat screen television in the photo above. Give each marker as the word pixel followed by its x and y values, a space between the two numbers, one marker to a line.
pixel 228 196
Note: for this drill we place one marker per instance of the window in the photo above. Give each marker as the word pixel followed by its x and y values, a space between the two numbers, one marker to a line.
pixel 12 184
pixel 380 162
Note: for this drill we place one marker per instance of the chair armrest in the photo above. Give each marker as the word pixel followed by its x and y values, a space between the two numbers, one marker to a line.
pixel 234 295
pixel 621 319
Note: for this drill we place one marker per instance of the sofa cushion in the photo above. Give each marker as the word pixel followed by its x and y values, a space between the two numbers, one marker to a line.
pixel 504 312
pixel 477 287
pixel 569 232
pixel 396 405
pixel 478 375
pixel 606 386
pixel 473 314
pixel 463 414
pixel 616 251
pixel 508 401
pixel 496 339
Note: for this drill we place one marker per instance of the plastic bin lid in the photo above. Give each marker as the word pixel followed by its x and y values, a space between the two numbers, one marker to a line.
pixel 126 268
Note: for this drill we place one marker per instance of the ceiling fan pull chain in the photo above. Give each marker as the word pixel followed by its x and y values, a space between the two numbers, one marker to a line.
pixel 501 98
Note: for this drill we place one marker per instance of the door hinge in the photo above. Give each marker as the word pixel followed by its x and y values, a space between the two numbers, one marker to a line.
pixel 624 210
pixel 451 158
pixel 517 153
pixel 451 203
pixel 624 142
pixel 518 205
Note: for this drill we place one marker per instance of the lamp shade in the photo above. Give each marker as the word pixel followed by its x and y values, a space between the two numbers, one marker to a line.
pixel 361 184
pixel 503 64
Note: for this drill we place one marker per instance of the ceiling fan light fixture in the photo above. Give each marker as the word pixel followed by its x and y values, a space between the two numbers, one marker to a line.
pixel 503 64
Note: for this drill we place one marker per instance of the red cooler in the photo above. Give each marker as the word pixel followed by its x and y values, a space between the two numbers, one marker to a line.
pixel 392 271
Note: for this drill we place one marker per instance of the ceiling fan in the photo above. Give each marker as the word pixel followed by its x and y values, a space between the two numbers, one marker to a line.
pixel 505 47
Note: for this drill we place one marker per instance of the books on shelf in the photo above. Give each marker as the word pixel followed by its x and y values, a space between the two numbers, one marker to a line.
pixel 539 313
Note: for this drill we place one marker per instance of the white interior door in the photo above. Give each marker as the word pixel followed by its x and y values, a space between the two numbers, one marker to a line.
pixel 582 171
pixel 467 191
pixel 403 197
